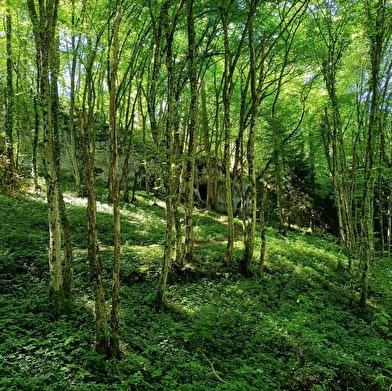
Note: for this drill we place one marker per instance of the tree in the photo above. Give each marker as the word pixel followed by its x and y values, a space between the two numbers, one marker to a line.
pixel 333 25
pixel 377 16
pixel 87 140
pixel 114 346
pixel 230 62
pixel 9 167
pixel 46 41
pixel 192 135
pixel 256 79
pixel 171 169
pixel 75 43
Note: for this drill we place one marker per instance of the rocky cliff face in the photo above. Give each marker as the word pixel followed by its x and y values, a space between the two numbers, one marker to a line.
pixel 147 173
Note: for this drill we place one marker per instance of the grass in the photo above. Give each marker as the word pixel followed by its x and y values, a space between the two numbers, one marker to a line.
pixel 296 329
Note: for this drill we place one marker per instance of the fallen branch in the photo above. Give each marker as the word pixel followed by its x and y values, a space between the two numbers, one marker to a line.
pixel 213 369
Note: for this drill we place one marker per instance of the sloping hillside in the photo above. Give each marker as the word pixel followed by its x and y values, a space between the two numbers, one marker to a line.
pixel 297 328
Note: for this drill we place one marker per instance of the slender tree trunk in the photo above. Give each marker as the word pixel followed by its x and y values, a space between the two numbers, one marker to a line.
pixel 230 63
pixel 151 95
pixel 172 171
pixel 114 347
pixel 169 161
pixel 191 158
pixel 65 230
pixel 240 162
pixel 34 165
pixel 330 61
pixel 44 28
pixel 263 205
pixel 277 155
pixel 53 195
pixel 72 76
pixel 250 221
pixel 178 192
pixel 102 331
pixel 211 178
pixel 87 146
pixel 340 178
pixel 9 169
pixel 124 180
pixel 227 135
pixel 376 17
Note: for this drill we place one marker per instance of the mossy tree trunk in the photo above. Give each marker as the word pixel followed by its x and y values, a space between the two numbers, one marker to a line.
pixel 34 165
pixel 378 32
pixel 9 167
pixel 227 80
pixel 230 63
pixel 256 80
pixel 192 136
pixel 94 258
pixel 114 345
pixel 87 141
pixel 263 206
pixel 171 174
pixel 72 133
pixel 154 68
pixel 65 229
pixel 44 27
pixel 210 172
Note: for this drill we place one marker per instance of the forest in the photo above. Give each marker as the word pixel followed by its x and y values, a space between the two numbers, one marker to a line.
pixel 196 195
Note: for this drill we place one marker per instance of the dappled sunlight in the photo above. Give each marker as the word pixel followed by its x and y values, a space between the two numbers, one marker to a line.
pixel 302 253
pixel 73 200
pixel 142 217
pixel 87 302
pixel 32 196
pixel 142 256
pixel 305 331
pixel 293 329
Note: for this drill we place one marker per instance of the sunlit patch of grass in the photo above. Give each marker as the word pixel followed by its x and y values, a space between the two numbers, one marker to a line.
pixel 87 302
pixel 302 253
pixel 143 255
pixel 210 252
pixel 72 200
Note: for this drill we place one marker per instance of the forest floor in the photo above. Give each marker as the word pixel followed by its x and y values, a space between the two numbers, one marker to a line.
pixel 297 328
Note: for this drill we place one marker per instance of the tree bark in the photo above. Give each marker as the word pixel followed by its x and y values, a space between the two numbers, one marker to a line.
pixel 9 168
pixel 44 28
pixel 192 134
pixel 72 76
pixel 87 146
pixel 255 86
pixel 263 206
pixel 230 63
pixel 211 177
pixel 378 32
pixel 94 258
pixel 114 346
pixel 65 230
pixel 171 170
pixel 34 165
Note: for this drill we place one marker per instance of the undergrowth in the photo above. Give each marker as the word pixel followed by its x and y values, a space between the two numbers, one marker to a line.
pixel 297 328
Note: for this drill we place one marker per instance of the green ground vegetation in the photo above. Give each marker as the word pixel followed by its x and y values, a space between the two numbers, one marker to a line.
pixel 297 328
